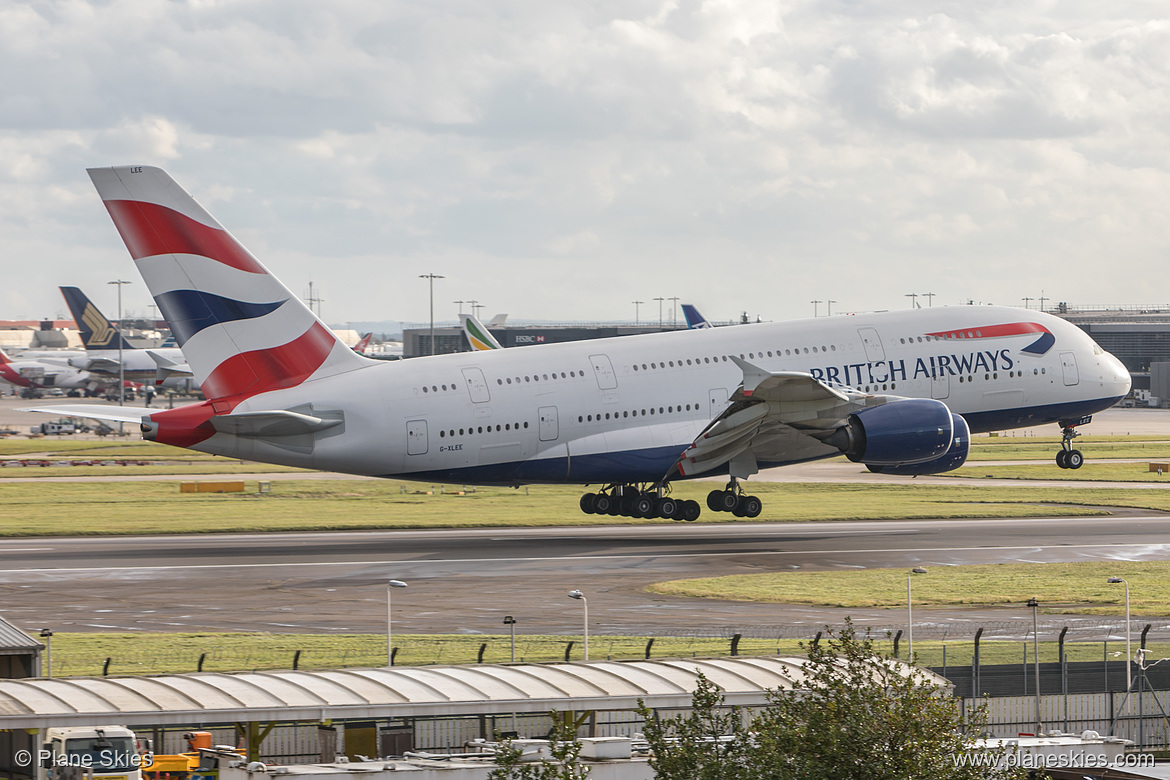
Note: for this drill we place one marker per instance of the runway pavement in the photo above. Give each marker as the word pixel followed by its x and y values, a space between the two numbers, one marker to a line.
pixel 466 581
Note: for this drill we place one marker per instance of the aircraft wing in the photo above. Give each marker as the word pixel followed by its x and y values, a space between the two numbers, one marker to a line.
pixel 107 412
pixel 103 364
pixel 773 417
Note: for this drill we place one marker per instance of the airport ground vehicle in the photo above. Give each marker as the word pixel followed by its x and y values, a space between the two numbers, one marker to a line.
pixel 108 752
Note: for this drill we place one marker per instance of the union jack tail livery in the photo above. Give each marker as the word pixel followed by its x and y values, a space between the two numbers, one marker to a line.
pixel 242 331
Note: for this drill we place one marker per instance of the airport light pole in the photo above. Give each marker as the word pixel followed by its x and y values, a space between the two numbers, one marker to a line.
pixel 390 586
pixel 815 303
pixel 929 299
pixel 1027 300
pixel 432 278
pixel 121 364
pixel 576 594
pixel 913 299
pixel 829 308
pixel 460 306
pixel 1035 605
pixel 673 311
pixel 510 622
pixel 910 613
pixel 47 635
pixel 636 305
pixel 475 306
pixel 1128 663
pixel 660 300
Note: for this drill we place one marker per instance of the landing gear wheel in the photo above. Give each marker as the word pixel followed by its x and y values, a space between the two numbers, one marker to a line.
pixel 587 503
pixel 1073 459
pixel 691 511
pixel 642 506
pixel 714 500
pixel 602 504
pixel 728 501
pixel 750 506
pixel 1062 459
pixel 669 508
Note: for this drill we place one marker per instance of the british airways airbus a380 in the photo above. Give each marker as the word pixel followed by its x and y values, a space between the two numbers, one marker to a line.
pixel 899 392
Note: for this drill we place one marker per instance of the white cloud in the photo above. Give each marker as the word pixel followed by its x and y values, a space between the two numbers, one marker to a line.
pixel 751 155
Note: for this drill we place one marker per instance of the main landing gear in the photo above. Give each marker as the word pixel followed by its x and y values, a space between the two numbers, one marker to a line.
pixel 732 499
pixel 631 501
pixel 1068 458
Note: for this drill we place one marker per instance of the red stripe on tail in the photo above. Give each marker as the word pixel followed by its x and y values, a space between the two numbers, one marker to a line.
pixel 271 369
pixel 149 229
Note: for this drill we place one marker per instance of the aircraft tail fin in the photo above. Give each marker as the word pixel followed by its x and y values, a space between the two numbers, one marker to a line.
pixel 240 329
pixel 363 344
pixel 695 321
pixel 97 332
pixel 477 335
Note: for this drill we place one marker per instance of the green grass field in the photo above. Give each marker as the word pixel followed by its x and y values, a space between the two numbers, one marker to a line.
pixel 71 508
pixel 86 654
pixel 1092 471
pixel 1059 587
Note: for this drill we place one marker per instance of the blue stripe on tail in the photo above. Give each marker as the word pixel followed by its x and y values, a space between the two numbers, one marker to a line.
pixel 190 311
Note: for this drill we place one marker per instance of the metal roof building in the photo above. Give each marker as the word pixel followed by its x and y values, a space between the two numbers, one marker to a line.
pixel 20 654
pixel 400 692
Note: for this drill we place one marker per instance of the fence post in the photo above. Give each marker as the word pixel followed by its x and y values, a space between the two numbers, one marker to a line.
pixel 202 657
pixel 296 660
pixel 106 667
pixel 976 683
pixel 482 649
pixel 735 644
pixel 897 638
pixel 1063 674
pixel 649 644
pixel 568 649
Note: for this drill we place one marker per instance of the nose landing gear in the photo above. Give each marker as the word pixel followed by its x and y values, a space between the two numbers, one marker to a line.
pixel 1068 458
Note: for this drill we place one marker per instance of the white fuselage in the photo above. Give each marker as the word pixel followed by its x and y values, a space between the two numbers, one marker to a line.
pixel 623 409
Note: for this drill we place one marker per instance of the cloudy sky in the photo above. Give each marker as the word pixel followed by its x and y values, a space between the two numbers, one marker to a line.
pixel 560 160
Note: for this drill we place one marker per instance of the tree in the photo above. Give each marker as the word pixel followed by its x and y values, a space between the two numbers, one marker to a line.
pixel 708 743
pixel 857 713
pixel 563 747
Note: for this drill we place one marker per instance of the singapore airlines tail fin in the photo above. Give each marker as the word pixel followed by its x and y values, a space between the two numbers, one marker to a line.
pixel 240 329
pixel 477 335
pixel 97 332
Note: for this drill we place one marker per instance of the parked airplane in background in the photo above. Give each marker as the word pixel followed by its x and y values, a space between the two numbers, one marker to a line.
pixel 165 366
pixel 33 376
pixel 695 321
pixel 477 335
pixel 899 392
pixel 363 344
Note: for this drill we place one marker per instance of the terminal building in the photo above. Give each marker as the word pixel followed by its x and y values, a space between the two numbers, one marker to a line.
pixel 1138 335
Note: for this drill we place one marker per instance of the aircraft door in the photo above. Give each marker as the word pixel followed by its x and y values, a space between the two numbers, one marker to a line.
pixel 549 426
pixel 603 369
pixel 416 437
pixel 874 352
pixel 716 401
pixel 1068 361
pixel 940 386
pixel 476 385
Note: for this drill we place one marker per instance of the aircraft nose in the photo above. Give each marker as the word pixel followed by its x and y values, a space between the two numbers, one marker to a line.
pixel 1116 376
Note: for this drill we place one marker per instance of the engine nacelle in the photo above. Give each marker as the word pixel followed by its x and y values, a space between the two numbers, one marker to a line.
pixel 898 433
pixel 956 456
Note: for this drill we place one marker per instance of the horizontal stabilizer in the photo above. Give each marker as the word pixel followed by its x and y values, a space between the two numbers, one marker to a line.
pixel 110 412
pixel 105 365
pixel 275 423
pixel 167 368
